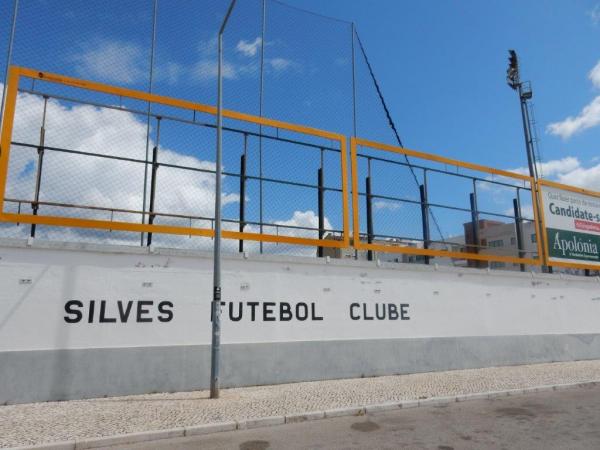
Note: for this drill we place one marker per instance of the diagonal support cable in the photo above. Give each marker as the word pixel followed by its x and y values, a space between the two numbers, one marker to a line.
pixel 392 124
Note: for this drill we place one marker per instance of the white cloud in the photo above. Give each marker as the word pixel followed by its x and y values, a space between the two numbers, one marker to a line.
pixel 560 166
pixel 101 182
pixel 170 72
pixel 208 47
pixel 583 177
pixel 306 219
pixel 207 69
pixel 251 48
pixel 383 204
pixel 570 171
pixel 594 75
pixel 588 117
pixel 111 61
pixel 594 14
pixel 123 62
pixel 552 168
pixel 281 64
pixel 248 48
pixel 526 211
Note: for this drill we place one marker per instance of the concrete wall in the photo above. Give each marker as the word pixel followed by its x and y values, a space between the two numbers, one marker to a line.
pixel 149 330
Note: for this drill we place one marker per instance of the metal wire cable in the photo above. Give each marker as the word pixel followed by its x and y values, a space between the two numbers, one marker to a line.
pixel 391 123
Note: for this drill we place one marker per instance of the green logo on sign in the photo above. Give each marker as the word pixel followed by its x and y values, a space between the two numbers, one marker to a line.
pixel 572 245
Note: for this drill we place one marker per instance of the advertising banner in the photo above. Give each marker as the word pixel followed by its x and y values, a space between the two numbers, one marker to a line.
pixel 572 222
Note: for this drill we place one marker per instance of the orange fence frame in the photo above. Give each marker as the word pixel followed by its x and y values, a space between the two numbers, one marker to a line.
pixel 565 187
pixel 354 142
pixel 15 73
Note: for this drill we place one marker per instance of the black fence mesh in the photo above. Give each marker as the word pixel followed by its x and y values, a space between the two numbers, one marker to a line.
pixel 280 62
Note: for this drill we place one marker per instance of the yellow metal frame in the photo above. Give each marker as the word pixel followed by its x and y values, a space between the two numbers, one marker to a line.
pixel 355 142
pixel 15 73
pixel 565 187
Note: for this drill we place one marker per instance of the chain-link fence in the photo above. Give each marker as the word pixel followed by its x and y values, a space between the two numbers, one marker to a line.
pixel 487 214
pixel 279 62
pixel 76 157
pixel 85 154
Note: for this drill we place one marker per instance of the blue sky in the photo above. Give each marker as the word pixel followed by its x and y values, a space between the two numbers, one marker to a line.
pixel 441 66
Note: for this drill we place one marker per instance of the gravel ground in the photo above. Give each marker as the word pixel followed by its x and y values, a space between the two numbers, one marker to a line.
pixel 60 421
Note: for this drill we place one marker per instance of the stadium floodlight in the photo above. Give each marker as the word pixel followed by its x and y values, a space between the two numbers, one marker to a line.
pixel 512 73
pixel 513 78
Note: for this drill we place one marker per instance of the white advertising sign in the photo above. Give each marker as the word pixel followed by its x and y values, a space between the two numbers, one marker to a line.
pixel 572 226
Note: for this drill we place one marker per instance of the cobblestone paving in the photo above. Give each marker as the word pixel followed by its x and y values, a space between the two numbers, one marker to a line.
pixel 60 421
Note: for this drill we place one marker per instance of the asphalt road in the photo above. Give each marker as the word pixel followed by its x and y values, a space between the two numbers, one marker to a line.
pixel 568 419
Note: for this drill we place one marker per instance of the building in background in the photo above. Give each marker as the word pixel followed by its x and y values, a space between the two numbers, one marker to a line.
pixel 495 238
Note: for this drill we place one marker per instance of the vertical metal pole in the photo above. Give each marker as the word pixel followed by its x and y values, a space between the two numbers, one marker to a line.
pixel 368 199
pixel 38 179
pixel 532 166
pixel 425 217
pixel 150 86
pixel 9 56
pixel 369 217
pixel 215 348
pixel 321 191
pixel 353 84
pixel 518 221
pixel 153 180
pixel 528 135
pixel 243 193
pixel 354 131
pixel 260 113
pixel 474 221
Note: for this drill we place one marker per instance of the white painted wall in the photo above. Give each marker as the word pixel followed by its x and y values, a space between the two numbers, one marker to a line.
pixel 36 282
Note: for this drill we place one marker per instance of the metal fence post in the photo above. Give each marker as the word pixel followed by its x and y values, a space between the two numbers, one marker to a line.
pixel 40 162
pixel 260 113
pixel 518 222
pixel 150 86
pixel 155 165
pixel 425 218
pixel 474 221
pixel 216 301
pixel 369 217
pixel 320 202
pixel 242 195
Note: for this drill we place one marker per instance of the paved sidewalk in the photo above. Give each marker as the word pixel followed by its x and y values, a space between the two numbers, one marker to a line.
pixel 64 421
pixel 550 420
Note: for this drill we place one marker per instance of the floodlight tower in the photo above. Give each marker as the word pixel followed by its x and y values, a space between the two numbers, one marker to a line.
pixel 523 88
pixel 525 93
